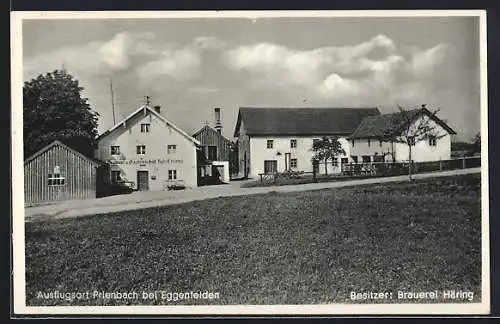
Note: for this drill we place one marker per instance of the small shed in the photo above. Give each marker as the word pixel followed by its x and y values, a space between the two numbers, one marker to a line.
pixel 58 172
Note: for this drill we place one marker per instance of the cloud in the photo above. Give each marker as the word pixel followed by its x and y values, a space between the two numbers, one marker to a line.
pixel 209 43
pixel 424 63
pixel 174 64
pixel 95 58
pixel 203 90
pixel 139 56
pixel 372 69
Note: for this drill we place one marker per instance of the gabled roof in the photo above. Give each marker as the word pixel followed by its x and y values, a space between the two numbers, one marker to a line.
pixel 301 121
pixel 379 126
pixel 59 143
pixel 207 128
pixel 152 111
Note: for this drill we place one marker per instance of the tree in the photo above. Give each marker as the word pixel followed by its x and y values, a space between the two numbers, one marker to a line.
pixel 327 148
pixel 411 127
pixel 54 109
pixel 233 158
pixel 476 143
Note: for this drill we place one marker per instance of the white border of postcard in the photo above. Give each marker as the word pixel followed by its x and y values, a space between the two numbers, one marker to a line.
pixel 18 251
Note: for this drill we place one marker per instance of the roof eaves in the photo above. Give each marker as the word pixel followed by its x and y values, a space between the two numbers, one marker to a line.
pixel 57 142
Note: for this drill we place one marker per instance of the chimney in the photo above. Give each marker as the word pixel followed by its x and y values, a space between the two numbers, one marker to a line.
pixel 218 125
pixel 423 105
pixel 157 108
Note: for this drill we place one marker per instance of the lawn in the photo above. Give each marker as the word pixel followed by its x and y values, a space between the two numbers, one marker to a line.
pixel 278 248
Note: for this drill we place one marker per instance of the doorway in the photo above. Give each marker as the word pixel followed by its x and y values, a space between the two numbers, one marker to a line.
pixel 142 180
pixel 287 161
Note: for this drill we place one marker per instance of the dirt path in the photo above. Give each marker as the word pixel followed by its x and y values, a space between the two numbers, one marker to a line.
pixel 140 200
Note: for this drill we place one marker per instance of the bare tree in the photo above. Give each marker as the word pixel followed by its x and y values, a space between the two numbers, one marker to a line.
pixel 411 127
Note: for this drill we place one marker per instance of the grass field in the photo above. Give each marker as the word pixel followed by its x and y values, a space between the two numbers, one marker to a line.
pixel 276 248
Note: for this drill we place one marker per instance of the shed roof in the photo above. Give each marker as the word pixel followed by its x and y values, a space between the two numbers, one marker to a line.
pixel 95 162
pixel 207 129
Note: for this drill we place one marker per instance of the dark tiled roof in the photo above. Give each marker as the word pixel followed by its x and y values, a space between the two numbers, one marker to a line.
pixel 383 125
pixel 301 121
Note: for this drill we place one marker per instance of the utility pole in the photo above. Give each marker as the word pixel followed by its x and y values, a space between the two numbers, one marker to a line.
pixel 112 100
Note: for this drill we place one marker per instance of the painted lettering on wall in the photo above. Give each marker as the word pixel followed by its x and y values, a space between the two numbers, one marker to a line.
pixel 153 161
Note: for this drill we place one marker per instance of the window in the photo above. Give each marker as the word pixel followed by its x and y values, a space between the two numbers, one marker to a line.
pixel 366 158
pixel 354 158
pixel 171 148
pixel 141 149
pixel 352 141
pixel 145 128
pixel 212 153
pixel 115 150
pixel 172 174
pixel 293 163
pixel 115 176
pixel 270 144
pixel 369 142
pixel 432 140
pixel 293 143
pixel 380 143
pixel 344 160
pixel 56 179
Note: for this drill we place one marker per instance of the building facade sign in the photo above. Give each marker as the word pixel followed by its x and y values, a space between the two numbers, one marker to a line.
pixel 149 161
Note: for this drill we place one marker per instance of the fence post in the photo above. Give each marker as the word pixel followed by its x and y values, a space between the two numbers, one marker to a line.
pixel 463 163
pixel 440 165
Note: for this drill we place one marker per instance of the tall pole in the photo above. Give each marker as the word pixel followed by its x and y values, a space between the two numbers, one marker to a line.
pixel 112 100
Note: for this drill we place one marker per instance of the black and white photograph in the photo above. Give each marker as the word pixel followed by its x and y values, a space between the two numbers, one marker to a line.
pixel 250 162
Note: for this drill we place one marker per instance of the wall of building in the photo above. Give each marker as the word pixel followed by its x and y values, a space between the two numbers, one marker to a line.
pixel 422 151
pixel 370 147
pixel 157 160
pixel 79 177
pixel 281 144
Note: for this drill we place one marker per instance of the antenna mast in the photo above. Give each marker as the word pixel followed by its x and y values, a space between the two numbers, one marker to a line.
pixel 112 100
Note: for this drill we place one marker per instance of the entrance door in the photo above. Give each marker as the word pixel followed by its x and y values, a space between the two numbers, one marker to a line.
pixel 142 180
pixel 287 161
pixel 270 166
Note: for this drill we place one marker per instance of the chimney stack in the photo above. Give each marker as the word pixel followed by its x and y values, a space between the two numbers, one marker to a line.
pixel 157 108
pixel 218 125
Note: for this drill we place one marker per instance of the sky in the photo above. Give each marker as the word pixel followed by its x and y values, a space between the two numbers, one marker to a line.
pixel 189 66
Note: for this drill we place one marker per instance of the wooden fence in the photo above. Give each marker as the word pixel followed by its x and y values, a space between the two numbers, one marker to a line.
pixel 379 169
